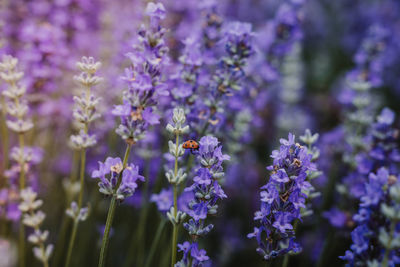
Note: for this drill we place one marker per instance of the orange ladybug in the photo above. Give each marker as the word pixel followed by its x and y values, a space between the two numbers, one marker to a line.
pixel 190 144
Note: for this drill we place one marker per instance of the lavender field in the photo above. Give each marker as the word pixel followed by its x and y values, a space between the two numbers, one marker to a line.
pixel 188 133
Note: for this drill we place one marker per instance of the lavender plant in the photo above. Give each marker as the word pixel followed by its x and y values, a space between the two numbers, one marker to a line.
pixel 207 192
pixel 283 197
pixel 144 79
pixel 121 184
pixel 20 124
pixel 145 85
pixel 84 114
pixel 376 240
pixel 177 175
pixel 361 80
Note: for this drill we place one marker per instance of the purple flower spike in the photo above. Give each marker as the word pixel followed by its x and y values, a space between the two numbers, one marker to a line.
pixel 127 177
pixel 144 79
pixel 206 193
pixel 283 197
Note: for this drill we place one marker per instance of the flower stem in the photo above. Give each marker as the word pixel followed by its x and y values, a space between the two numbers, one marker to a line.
pixel 80 200
pixel 71 243
pixel 66 223
pixel 22 166
pixel 175 226
pixel 155 242
pixel 110 215
pixel 104 243
pixel 174 244
pixel 285 260
pixel 4 136
pixel 82 178
pixel 21 244
pixel 21 186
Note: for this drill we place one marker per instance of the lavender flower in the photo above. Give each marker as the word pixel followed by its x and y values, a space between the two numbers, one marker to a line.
pixel 176 175
pixel 361 80
pixel 144 79
pixel 17 106
pixel 18 109
pixel 191 253
pixel 187 78
pixel 282 199
pixel 121 182
pixel 84 113
pixel 34 218
pixel 376 239
pixel 207 192
pixel 85 104
pixel 380 150
pixel 229 72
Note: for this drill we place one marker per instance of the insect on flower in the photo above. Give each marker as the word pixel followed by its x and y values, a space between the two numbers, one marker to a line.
pixel 190 144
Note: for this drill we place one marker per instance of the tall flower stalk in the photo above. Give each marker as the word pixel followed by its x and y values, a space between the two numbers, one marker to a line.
pixel 145 84
pixel 176 176
pixel 17 108
pixel 120 185
pixel 206 193
pixel 84 113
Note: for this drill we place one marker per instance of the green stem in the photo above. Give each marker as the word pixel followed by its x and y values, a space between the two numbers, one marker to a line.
pixel 155 242
pixel 74 173
pixel 21 186
pixel 175 226
pixel 285 261
pixel 111 213
pixel 4 135
pixel 21 244
pixel 71 243
pixel 61 242
pixel 65 223
pixel 80 200
pixel 22 166
pixel 82 178
pixel 104 243
pixel 174 244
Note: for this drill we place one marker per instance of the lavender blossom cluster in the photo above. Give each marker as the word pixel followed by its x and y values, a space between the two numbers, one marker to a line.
pixel 282 199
